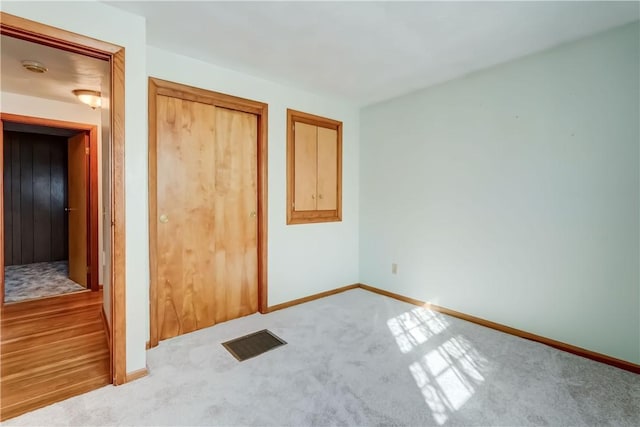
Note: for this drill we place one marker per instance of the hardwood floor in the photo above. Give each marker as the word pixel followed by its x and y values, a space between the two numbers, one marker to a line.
pixel 51 349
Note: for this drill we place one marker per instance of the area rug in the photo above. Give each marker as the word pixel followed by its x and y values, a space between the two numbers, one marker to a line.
pixel 38 280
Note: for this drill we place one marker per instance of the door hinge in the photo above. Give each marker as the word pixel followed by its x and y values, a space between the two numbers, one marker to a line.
pixel 88 269
pixel 86 150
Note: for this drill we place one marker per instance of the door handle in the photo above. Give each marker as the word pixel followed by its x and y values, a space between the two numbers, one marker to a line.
pixel 252 214
pixel 164 218
pixel 70 209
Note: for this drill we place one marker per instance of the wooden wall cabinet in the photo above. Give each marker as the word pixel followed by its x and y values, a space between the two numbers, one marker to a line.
pixel 314 168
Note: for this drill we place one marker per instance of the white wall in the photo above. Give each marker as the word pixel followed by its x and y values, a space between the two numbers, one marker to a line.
pixel 127 30
pixel 302 259
pixel 79 113
pixel 513 194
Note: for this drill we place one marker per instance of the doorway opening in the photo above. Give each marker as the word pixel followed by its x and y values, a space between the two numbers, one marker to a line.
pixel 62 369
pixel 51 218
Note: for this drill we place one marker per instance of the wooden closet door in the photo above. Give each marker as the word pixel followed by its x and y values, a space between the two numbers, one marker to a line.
pixel 206 184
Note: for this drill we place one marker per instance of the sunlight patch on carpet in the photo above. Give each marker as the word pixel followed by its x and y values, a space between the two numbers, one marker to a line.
pixel 448 376
pixel 415 327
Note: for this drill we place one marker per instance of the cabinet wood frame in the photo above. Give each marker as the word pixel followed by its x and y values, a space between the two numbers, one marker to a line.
pixel 315 216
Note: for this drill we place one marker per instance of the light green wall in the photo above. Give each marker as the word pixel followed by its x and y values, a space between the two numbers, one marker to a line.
pixel 513 194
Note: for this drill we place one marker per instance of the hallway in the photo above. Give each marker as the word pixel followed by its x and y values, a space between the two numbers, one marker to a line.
pixel 51 349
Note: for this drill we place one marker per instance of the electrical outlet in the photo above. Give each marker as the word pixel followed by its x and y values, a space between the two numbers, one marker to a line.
pixel 394 268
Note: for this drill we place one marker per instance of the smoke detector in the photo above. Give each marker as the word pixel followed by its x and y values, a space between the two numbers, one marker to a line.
pixel 34 66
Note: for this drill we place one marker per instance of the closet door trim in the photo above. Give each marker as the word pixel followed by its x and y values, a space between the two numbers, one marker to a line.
pixel 260 109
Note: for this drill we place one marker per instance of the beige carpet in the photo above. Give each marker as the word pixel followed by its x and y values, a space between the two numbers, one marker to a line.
pixel 360 359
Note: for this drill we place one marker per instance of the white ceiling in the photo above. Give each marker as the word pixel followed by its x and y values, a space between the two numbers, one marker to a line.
pixel 369 51
pixel 66 71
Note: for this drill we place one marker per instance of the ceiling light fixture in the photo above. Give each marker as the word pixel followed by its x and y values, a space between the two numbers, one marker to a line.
pixel 90 97
pixel 34 66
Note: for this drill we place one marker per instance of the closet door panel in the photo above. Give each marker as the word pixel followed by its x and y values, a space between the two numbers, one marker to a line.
pixel 186 247
pixel 236 202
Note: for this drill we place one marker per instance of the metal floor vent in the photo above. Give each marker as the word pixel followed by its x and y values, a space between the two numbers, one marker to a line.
pixel 252 345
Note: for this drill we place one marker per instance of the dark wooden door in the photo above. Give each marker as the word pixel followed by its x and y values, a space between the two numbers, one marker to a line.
pixel 35 192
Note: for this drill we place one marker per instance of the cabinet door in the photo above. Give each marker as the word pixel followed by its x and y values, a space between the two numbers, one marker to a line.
pixel 314 168
pixel 306 168
pixel 327 169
